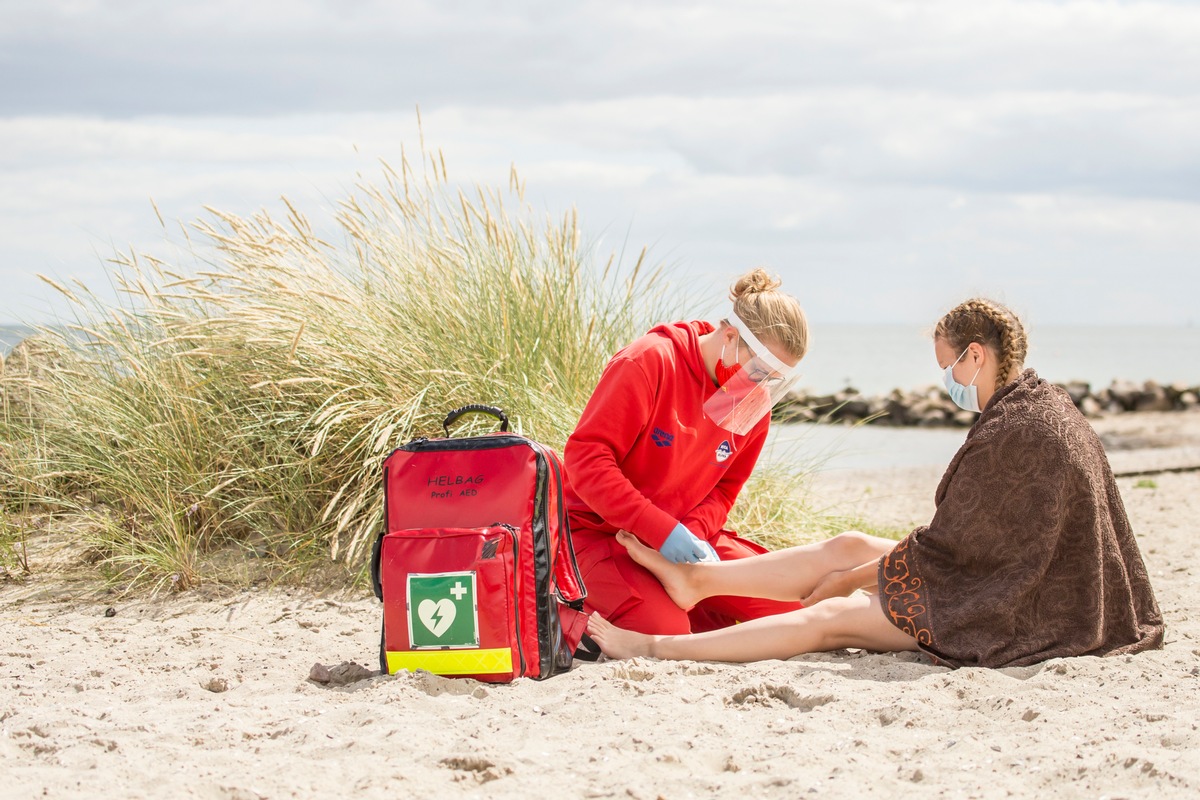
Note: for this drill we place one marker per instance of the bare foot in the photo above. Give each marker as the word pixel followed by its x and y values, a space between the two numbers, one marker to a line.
pixel 677 579
pixel 617 642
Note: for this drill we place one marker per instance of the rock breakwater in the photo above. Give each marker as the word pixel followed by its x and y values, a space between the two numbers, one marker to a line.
pixel 931 407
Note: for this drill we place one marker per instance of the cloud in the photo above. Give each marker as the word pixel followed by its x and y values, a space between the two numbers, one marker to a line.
pixel 31 141
pixel 1030 150
pixel 81 188
pixel 226 57
pixel 1138 145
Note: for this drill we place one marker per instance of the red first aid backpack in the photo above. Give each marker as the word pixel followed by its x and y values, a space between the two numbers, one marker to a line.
pixel 475 566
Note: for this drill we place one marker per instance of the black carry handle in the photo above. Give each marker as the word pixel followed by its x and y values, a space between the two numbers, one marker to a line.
pixel 376 553
pixel 458 412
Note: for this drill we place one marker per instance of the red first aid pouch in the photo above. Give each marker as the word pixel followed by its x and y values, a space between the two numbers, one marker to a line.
pixel 475 566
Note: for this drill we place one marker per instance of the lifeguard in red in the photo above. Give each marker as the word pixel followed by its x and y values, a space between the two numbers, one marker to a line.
pixel 644 458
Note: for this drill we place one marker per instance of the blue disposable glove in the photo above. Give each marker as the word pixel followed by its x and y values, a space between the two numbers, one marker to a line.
pixel 682 546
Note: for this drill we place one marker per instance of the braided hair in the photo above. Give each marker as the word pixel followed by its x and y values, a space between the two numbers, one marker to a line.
pixel 990 324
pixel 772 315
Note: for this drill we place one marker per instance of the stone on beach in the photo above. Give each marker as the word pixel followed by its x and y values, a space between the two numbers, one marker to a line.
pixel 341 674
pixel 931 407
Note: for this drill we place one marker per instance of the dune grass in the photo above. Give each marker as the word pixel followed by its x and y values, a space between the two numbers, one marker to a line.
pixel 14 552
pixel 247 397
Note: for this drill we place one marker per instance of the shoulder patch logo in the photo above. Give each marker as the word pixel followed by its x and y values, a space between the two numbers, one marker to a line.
pixel 662 438
pixel 723 451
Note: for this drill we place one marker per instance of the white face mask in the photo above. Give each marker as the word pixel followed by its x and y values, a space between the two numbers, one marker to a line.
pixel 965 397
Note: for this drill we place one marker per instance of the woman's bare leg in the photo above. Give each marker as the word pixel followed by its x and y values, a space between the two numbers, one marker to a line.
pixel 855 621
pixel 787 574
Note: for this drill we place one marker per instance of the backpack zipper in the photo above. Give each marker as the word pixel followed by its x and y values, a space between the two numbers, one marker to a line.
pixel 512 532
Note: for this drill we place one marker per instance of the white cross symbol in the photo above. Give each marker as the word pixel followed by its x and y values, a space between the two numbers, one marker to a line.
pixel 458 591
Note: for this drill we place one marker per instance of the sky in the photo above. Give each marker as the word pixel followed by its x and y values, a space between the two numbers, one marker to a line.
pixel 886 158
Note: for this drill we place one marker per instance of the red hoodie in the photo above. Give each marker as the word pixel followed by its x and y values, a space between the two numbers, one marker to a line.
pixel 644 456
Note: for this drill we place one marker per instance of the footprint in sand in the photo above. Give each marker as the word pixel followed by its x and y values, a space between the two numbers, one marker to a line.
pixel 474 766
pixel 434 685
pixel 769 694
pixel 632 672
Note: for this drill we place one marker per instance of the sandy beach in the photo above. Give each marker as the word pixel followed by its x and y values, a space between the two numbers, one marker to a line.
pixel 207 694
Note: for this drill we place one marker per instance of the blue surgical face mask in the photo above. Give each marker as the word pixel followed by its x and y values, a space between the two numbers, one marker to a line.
pixel 965 397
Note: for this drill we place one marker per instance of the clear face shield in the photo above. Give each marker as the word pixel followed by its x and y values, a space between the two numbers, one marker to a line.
pixel 754 389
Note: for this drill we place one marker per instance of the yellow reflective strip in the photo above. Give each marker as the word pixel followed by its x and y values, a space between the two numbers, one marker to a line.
pixel 452 662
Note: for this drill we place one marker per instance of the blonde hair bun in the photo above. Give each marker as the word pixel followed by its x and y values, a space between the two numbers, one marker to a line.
pixel 754 281
pixel 770 314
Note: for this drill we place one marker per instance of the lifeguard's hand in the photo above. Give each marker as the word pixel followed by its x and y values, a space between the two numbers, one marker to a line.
pixel 683 547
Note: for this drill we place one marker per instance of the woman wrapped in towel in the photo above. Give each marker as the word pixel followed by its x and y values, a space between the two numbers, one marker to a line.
pixel 1029 555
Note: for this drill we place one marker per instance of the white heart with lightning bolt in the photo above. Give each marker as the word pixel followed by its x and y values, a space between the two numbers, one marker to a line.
pixel 438 615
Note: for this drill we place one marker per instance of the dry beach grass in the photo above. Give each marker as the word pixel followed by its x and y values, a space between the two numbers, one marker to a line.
pixel 245 396
pixel 206 695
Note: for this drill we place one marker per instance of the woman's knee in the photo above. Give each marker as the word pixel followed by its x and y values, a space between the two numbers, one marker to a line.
pixel 859 621
pixel 857 548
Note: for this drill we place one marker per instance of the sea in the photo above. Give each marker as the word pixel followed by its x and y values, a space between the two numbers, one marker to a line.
pixel 878 358
pixel 10 335
pixel 875 359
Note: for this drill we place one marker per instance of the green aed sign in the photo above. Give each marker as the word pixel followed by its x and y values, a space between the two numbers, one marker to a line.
pixel 442 611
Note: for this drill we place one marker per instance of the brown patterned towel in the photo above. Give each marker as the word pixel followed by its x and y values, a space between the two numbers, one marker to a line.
pixel 1030 555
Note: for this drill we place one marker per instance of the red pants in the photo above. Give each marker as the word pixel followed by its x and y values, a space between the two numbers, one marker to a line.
pixel 629 596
